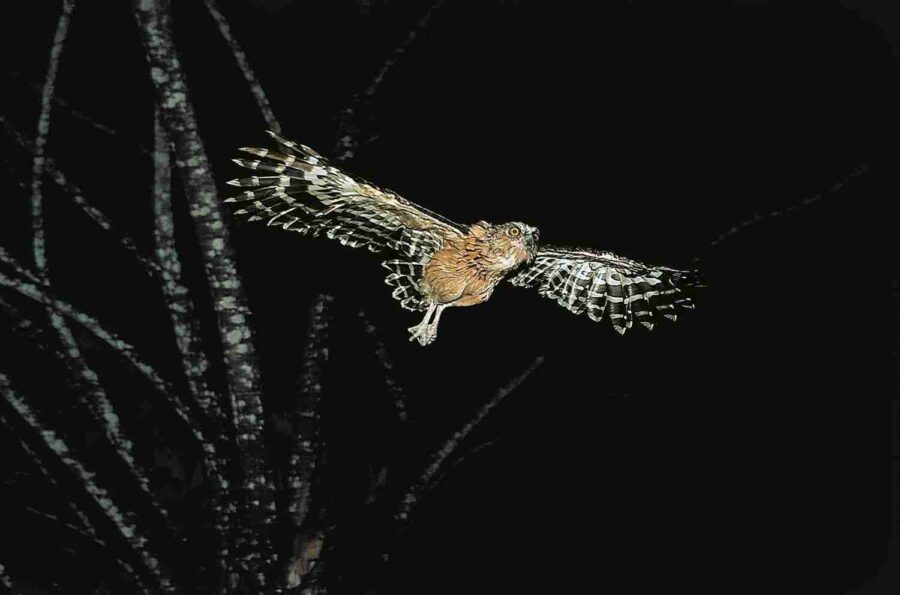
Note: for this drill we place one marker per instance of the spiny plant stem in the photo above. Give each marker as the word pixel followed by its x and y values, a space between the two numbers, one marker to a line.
pixel 181 311
pixel 43 130
pixel 29 287
pixel 65 105
pixel 85 381
pixel 88 528
pixel 348 122
pixel 439 458
pixel 100 408
pixel 75 194
pixel 69 527
pixel 86 535
pixel 55 448
pixel 241 58
pixel 212 466
pixel 396 392
pixel 302 460
pixel 252 547
pixel 5 581
pixel 306 446
pixel 756 218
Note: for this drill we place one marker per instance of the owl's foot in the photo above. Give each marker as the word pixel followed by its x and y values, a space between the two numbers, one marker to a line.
pixel 423 333
pixel 426 331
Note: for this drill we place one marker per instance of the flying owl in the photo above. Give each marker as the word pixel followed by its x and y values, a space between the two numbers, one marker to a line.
pixel 435 263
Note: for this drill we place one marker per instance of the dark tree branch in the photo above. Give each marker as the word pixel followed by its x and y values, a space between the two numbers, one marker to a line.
pixel 187 339
pixel 70 352
pixel 261 100
pixel 302 460
pixel 87 528
pixel 348 123
pixel 439 459
pixel 74 192
pixel 252 544
pixel 97 542
pixel 756 218
pixel 5 581
pixel 43 130
pixel 181 309
pixel 84 380
pixel 78 115
pixel 396 392
pixel 28 286
pixel 86 524
pixel 214 465
pixel 56 449
pixel 99 407
pixel 86 536
pixel 461 459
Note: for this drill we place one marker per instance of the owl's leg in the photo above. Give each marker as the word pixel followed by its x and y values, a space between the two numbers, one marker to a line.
pixel 434 323
pixel 420 332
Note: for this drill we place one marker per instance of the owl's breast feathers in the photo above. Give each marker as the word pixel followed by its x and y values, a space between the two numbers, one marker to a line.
pixel 465 271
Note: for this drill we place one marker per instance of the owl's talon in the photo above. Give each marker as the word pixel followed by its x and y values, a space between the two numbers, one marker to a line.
pixel 423 333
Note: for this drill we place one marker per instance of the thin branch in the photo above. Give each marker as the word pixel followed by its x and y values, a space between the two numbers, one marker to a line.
pixel 305 445
pixel 78 115
pixel 94 396
pixel 438 459
pixel 94 399
pixel 261 100
pixel 348 126
pixel 181 311
pixel 29 286
pixel 87 528
pixel 99 543
pixel 302 460
pixel 461 459
pixel 5 581
pixel 88 536
pixel 75 194
pixel 43 130
pixel 252 543
pixel 396 392
pixel 55 448
pixel 85 381
pixel 756 218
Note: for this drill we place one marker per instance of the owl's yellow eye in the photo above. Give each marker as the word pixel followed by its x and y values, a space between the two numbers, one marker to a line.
pixel 515 232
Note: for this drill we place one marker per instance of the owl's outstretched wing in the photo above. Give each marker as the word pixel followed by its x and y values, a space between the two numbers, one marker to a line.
pixel 300 191
pixel 601 282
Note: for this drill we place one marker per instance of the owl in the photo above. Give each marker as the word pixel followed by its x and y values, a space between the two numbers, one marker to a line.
pixel 434 263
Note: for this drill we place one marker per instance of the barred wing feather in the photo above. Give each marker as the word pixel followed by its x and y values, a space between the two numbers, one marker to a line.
pixel 300 191
pixel 602 283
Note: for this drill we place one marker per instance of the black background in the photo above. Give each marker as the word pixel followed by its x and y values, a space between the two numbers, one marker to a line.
pixel 745 448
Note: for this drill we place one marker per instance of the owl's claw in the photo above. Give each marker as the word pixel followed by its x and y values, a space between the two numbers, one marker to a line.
pixel 426 331
pixel 423 333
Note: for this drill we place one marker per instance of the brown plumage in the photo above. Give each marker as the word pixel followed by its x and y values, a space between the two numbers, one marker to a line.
pixel 440 263
pixel 467 269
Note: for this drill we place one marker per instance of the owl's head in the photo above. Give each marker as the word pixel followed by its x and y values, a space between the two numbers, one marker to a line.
pixel 520 238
